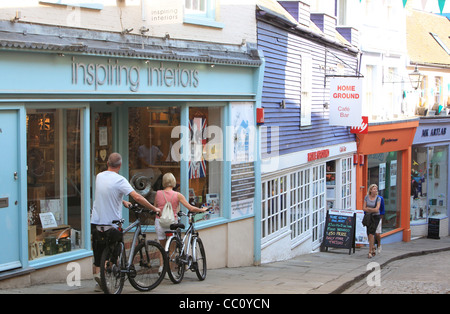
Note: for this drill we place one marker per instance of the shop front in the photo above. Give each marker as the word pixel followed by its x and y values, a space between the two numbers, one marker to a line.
pixel 62 112
pixel 429 176
pixel 296 197
pixel 384 158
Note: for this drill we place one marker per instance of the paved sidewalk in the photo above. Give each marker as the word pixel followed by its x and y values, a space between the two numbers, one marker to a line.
pixel 315 273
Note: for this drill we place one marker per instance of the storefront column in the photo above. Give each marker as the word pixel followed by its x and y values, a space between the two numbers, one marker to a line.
pixel 406 192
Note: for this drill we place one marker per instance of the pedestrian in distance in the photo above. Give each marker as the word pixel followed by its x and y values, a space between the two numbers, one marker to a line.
pixel 110 189
pixel 371 207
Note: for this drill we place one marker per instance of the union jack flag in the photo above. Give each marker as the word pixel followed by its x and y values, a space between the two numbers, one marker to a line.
pixel 197 165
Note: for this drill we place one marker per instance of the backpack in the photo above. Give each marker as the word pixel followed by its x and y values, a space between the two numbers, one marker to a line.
pixel 167 217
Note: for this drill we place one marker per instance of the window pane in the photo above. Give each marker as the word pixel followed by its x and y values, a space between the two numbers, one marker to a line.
pixel 150 145
pixel 384 170
pixel 205 163
pixel 54 181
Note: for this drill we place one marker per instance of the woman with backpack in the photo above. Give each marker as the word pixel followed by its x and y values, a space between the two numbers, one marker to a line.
pixel 175 198
pixel 371 207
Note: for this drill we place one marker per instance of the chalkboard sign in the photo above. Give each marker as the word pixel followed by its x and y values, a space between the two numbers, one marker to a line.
pixel 433 228
pixel 339 231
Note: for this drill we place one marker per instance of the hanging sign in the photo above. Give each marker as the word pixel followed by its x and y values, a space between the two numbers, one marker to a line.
pixel 363 128
pixel 345 101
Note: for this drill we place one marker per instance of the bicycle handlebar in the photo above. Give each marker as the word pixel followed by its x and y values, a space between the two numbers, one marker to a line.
pixel 137 208
pixel 208 211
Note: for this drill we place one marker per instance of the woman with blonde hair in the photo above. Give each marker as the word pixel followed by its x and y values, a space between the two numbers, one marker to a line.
pixel 169 195
pixel 371 207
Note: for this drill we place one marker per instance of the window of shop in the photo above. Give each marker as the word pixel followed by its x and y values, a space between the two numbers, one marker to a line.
pixel 206 160
pixel 339 183
pixel 429 186
pixel 150 150
pixel 384 171
pixel 154 150
pixel 300 204
pixel 295 201
pixel 55 214
pixel 346 187
pixel 274 206
pixel 318 203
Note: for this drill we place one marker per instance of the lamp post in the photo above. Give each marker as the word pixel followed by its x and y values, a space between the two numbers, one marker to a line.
pixel 415 78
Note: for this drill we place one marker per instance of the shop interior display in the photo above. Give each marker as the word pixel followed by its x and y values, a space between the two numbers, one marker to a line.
pixel 54 200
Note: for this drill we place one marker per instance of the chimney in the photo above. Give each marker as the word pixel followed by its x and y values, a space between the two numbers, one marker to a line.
pixel 350 34
pixel 300 10
pixel 325 22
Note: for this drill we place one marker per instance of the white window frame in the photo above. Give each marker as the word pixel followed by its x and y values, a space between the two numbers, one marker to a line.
pixel 206 17
pixel 318 198
pixel 274 208
pixel 346 183
pixel 294 203
pixel 300 204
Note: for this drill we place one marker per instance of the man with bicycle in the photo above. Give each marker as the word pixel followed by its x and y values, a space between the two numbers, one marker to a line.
pixel 110 189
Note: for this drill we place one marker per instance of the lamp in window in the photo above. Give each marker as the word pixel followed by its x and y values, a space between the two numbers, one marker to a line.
pixel 415 78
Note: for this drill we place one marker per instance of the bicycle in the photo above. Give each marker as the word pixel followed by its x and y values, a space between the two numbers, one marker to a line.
pixel 145 265
pixel 184 252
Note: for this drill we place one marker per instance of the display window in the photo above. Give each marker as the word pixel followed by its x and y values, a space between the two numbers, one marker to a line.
pixel 150 150
pixel 429 186
pixel 384 170
pixel 206 160
pixel 54 181
pixel 154 149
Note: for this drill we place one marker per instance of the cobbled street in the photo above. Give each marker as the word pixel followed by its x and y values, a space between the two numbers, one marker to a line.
pixel 427 274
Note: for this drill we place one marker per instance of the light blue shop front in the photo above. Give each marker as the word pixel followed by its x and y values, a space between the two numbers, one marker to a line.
pixel 63 110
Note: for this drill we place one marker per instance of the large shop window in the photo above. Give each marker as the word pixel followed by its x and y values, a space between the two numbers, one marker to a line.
pixel 429 185
pixel 150 150
pixel 294 202
pixel 385 171
pixel 154 147
pixel 54 181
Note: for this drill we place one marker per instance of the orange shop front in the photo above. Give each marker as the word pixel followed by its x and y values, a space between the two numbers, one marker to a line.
pixel 384 158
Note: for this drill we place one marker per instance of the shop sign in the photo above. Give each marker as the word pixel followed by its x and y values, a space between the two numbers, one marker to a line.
pixel 388 140
pixel 434 132
pixel 345 101
pixel 164 12
pixel 363 128
pixel 112 73
pixel 324 153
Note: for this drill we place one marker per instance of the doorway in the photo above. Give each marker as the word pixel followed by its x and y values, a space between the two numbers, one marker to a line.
pixel 9 193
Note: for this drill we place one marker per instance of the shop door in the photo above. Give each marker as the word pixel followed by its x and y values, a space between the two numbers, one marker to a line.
pixel 9 190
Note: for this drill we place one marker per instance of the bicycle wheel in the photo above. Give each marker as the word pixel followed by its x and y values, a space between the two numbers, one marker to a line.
pixel 111 263
pixel 147 270
pixel 200 263
pixel 175 265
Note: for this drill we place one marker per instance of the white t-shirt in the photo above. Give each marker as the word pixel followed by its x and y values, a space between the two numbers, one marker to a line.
pixel 110 188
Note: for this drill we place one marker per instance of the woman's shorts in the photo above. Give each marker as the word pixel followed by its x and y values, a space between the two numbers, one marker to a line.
pixel 160 231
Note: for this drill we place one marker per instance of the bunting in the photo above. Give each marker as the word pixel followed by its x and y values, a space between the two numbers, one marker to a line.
pixel 424 3
pixel 441 4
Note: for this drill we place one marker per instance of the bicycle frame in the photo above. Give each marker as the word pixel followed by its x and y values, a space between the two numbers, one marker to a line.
pixel 187 240
pixel 136 235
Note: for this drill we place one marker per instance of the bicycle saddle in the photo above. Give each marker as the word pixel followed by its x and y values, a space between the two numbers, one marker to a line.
pixel 176 226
